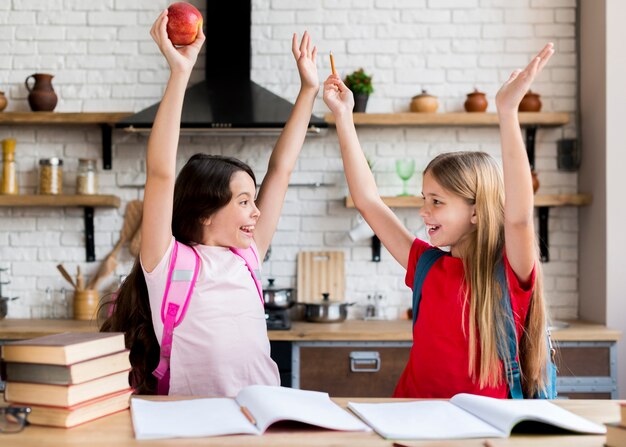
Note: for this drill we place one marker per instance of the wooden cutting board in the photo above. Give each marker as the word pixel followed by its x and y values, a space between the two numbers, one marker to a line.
pixel 320 272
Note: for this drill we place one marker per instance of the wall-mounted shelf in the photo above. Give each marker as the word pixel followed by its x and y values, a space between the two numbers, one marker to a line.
pixel 105 120
pixel 88 202
pixel 543 203
pixel 543 119
pixel 530 121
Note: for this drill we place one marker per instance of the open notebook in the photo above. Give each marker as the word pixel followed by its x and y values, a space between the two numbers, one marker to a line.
pixel 466 416
pixel 224 416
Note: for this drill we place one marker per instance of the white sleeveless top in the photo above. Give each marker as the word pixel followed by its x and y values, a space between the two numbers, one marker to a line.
pixel 221 345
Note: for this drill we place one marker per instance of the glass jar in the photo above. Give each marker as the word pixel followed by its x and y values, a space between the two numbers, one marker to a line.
pixel 86 177
pixel 9 169
pixel 51 176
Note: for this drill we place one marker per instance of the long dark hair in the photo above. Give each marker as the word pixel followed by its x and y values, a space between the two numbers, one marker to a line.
pixel 202 188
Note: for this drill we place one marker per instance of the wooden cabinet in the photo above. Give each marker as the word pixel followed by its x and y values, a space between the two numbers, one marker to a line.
pixel 586 370
pixel 356 369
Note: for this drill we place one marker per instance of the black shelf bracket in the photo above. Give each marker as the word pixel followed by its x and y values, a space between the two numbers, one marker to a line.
pixel 531 132
pixel 375 249
pixel 107 139
pixel 89 235
pixel 544 213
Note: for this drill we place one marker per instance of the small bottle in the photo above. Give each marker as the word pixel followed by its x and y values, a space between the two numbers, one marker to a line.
pixel 9 168
pixel 370 310
pixel 86 177
pixel 51 176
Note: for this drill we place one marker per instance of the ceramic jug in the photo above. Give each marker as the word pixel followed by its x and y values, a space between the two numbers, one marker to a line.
pixel 41 97
pixel 475 102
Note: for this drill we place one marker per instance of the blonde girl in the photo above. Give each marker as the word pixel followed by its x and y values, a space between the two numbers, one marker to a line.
pixel 486 219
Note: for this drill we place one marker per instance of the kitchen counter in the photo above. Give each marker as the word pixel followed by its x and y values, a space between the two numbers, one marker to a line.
pixel 117 430
pixel 350 330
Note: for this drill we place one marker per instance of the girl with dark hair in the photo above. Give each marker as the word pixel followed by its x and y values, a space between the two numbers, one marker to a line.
pixel 485 216
pixel 221 345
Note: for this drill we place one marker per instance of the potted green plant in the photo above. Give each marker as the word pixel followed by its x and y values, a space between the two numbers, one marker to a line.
pixel 361 85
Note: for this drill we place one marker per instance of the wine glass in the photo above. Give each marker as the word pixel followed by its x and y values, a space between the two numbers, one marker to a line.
pixel 405 168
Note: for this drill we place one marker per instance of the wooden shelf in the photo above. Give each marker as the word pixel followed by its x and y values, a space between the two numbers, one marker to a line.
pixel 60 200
pixel 88 202
pixel 69 118
pixel 539 119
pixel 541 200
pixel 106 121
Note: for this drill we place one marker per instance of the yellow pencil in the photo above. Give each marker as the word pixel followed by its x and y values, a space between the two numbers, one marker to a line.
pixel 332 63
pixel 248 415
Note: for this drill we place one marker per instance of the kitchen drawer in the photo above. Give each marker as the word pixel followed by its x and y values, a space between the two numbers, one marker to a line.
pixel 354 369
pixel 587 370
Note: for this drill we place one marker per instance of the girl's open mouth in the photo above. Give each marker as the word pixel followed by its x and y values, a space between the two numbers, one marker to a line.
pixel 247 229
pixel 432 229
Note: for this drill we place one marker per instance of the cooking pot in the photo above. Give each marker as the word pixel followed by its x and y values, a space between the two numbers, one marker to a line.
pixel 277 297
pixel 326 311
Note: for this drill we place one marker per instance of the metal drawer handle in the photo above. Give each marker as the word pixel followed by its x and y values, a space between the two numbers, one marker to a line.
pixel 364 361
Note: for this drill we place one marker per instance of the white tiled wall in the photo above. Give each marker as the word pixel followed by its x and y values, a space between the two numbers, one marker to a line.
pixel 104 60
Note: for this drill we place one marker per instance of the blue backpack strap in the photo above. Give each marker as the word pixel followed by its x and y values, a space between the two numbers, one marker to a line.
pixel 424 263
pixel 513 374
pixel 181 279
pixel 512 371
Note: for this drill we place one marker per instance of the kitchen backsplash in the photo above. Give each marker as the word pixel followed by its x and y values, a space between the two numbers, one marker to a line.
pixel 104 60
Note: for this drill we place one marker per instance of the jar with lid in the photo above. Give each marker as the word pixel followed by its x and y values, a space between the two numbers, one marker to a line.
pixel 51 176
pixel 9 169
pixel 86 177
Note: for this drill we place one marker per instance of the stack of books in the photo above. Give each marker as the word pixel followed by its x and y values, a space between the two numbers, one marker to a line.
pixel 68 379
pixel 616 433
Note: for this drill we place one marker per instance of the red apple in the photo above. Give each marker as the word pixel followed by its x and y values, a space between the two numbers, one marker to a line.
pixel 183 21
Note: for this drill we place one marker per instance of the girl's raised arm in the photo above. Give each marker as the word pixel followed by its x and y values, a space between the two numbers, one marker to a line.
pixel 156 226
pixel 283 159
pixel 519 232
pixel 394 236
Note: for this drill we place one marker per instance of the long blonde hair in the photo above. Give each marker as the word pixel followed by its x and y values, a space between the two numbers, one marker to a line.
pixel 476 178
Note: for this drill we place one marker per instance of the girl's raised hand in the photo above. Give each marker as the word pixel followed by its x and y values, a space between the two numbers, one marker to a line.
pixel 305 58
pixel 337 96
pixel 180 59
pixel 513 90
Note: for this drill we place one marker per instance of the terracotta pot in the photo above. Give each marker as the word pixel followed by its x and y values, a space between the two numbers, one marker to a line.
pixel 424 103
pixel 535 181
pixel 41 97
pixel 476 102
pixel 3 101
pixel 530 102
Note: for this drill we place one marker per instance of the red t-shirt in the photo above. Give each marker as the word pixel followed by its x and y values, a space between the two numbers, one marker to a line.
pixel 438 363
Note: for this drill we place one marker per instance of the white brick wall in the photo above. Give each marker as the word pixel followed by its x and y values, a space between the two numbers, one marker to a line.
pixel 104 60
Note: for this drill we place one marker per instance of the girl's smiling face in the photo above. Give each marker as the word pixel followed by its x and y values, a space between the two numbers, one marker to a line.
pixel 447 216
pixel 234 224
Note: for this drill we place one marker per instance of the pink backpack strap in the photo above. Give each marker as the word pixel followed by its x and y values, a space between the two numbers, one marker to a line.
pixel 181 278
pixel 251 258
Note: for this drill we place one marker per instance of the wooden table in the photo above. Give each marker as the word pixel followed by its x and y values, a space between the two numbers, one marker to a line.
pixel 116 430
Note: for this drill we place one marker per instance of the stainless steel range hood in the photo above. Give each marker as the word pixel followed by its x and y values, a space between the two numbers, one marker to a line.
pixel 227 102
